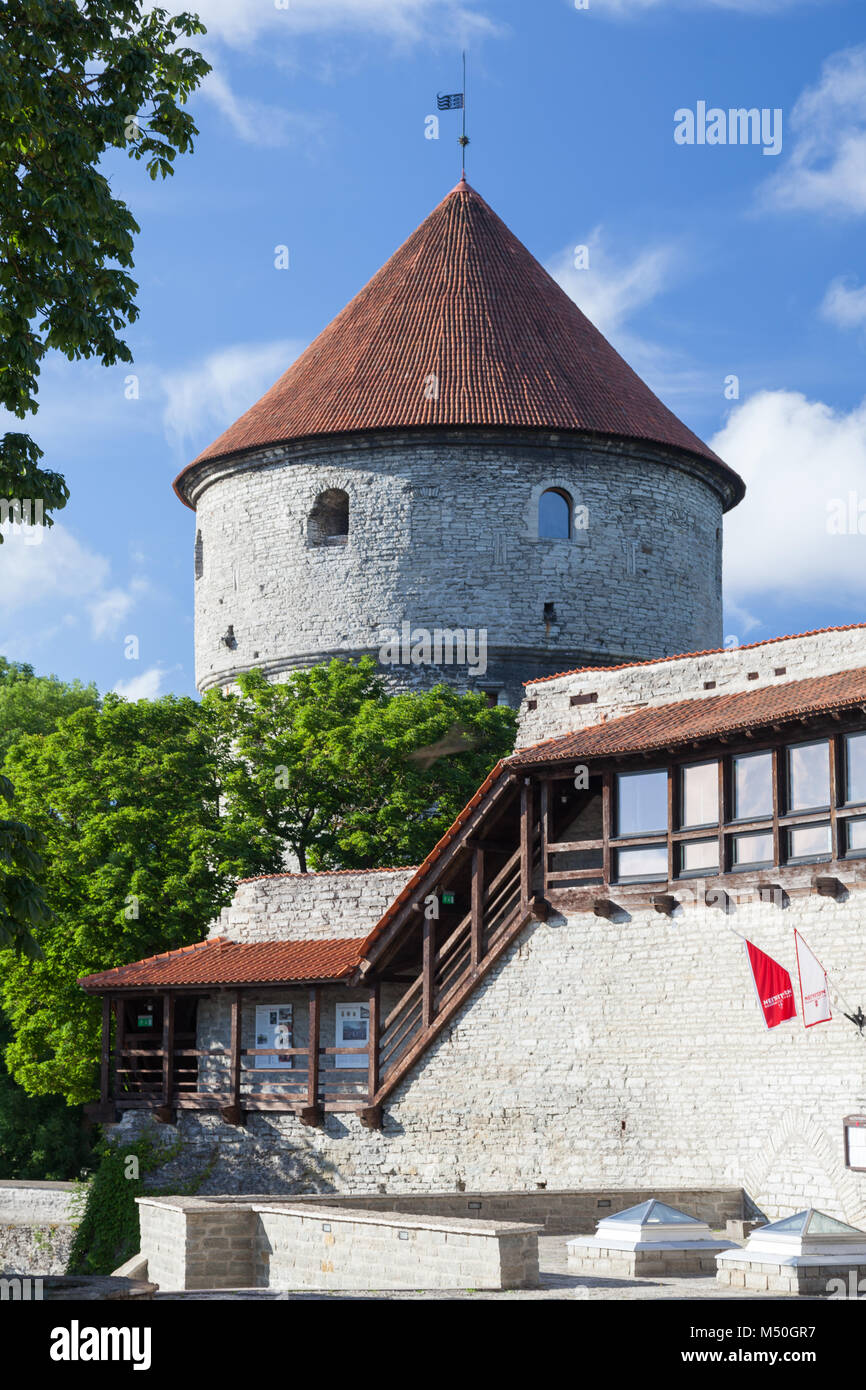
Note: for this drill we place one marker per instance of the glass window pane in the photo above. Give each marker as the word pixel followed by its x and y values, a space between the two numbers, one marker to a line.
pixel 753 786
pixel 756 848
pixel 641 803
pixel 648 862
pixel 856 835
pixel 700 794
pixel 855 767
pixel 697 856
pixel 808 776
pixel 808 841
pixel 554 516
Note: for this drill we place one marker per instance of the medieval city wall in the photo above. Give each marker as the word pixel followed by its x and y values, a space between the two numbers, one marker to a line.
pixel 547 710
pixel 602 1054
pixel 308 907
pixel 443 535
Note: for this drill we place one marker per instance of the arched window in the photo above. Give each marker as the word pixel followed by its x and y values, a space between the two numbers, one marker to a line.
pixel 199 556
pixel 554 515
pixel 329 520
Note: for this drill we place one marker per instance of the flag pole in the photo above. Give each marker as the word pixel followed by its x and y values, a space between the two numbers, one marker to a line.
pixel 464 139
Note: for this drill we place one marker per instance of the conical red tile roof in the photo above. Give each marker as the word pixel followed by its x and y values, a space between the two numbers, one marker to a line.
pixel 465 302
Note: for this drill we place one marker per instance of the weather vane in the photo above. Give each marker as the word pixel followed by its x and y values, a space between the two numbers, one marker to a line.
pixel 456 101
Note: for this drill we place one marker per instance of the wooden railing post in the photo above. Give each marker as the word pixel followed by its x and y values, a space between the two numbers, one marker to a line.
pixel 313 1048
pixel 373 1044
pixel 477 926
pixel 164 1111
pixel 427 973
pixel 105 1057
pixel 119 1010
pixel 235 1044
pixel 526 837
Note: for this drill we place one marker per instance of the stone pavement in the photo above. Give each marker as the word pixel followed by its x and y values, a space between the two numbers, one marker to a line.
pixel 556 1283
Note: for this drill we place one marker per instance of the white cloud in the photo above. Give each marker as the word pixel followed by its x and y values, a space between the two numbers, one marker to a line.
pixel 798 457
pixel 147 686
pixel 241 23
pixel 214 392
pixel 611 289
pixel 60 570
pixel 257 122
pixel 826 169
pixel 844 304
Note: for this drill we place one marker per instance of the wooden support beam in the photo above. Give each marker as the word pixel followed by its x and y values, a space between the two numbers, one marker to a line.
pixel 546 828
pixel 167 1048
pixel 373 1044
pixel 235 1055
pixel 119 1016
pixel 527 826
pixel 427 973
pixel 603 907
pixel 477 925
pixel 664 903
pixel 828 886
pixel 371 1117
pixel 311 1115
pixel 105 1058
pixel 314 1041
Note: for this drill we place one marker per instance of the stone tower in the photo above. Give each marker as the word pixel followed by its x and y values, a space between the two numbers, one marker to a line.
pixel 459 453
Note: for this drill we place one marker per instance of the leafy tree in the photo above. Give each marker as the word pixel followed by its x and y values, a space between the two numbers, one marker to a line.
pixel 346 776
pixel 31 704
pixel 77 78
pixel 41 1138
pixel 127 799
pixel 22 902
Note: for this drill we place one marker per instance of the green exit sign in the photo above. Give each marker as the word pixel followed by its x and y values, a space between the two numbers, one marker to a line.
pixel 145 1020
pixel 447 899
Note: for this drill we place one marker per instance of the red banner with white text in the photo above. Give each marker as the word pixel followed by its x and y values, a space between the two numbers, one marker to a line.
pixel 773 986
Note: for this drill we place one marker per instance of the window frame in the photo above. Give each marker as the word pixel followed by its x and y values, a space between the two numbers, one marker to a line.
pixel 569 502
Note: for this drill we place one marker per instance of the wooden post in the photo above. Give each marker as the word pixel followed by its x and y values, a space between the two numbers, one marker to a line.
pixel 105 1059
pixel 837 797
pixel 167 1048
pixel 313 1048
pixel 235 1056
pixel 546 804
pixel 477 927
pixel 607 825
pixel 119 1010
pixel 427 973
pixel 373 1044
pixel 526 837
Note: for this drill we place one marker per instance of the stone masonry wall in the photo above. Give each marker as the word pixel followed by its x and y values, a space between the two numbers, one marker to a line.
pixel 443 534
pixel 605 1054
pixel 547 710
pixel 306 907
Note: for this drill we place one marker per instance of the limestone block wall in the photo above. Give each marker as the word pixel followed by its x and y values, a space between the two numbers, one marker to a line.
pixel 306 907
pixel 547 708
pixel 603 1054
pixel 335 1248
pixel 443 534
pixel 37 1226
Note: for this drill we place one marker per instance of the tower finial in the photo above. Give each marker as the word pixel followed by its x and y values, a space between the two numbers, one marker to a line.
pixel 464 138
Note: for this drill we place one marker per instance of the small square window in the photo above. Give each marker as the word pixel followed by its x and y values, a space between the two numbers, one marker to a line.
pixel 754 850
pixel 641 803
pixel 809 842
pixel 753 786
pixel 855 835
pixel 855 768
pixel 699 856
pixel 699 790
pixel 644 863
pixel 808 776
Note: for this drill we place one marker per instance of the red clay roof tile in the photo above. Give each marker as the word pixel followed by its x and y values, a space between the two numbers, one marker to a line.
pixel 465 301
pixel 220 961
pixel 662 725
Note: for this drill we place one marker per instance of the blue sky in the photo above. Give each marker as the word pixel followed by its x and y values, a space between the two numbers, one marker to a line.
pixel 705 262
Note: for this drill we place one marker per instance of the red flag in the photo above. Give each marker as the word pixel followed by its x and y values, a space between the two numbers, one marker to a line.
pixel 773 986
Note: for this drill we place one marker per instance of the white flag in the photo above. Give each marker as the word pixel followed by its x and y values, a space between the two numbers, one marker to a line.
pixel 813 985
